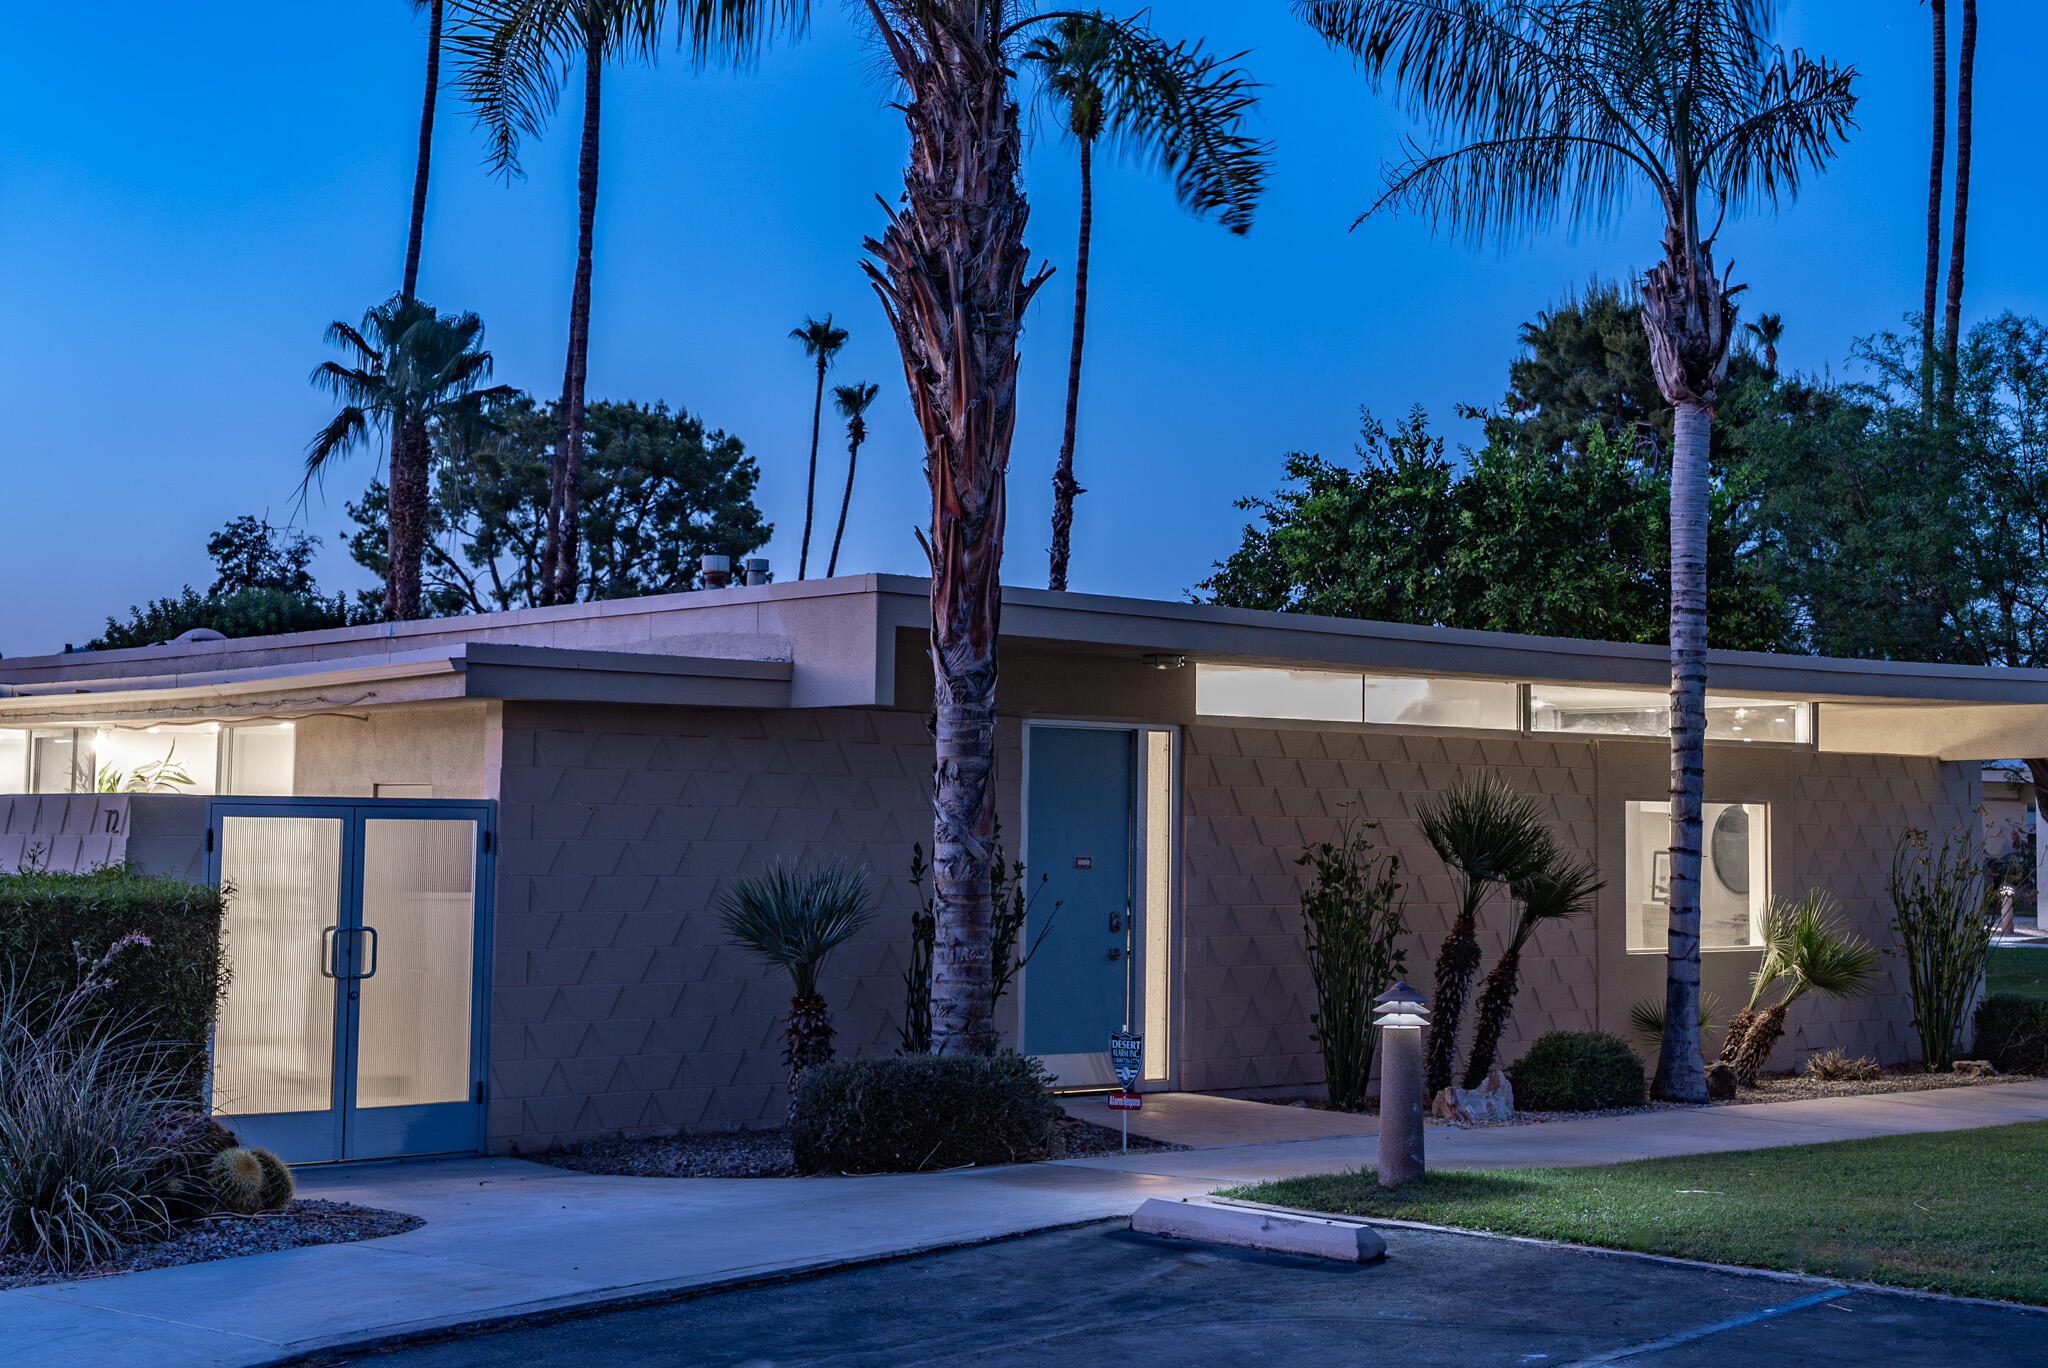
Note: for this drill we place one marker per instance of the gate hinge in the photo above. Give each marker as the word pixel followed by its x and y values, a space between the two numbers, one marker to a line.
pixel 479 1092
pixel 209 840
pixel 489 838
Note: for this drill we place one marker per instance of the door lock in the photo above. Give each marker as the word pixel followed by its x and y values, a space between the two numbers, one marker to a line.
pixel 1116 924
pixel 1116 953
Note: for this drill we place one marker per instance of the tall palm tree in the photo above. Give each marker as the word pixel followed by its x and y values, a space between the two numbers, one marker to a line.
pixel 1184 114
pixel 1932 282
pixel 955 278
pixel 1566 110
pixel 1490 838
pixel 1561 890
pixel 1952 318
pixel 515 56
pixel 852 402
pixel 1767 331
pixel 821 342
pixel 411 367
pixel 426 154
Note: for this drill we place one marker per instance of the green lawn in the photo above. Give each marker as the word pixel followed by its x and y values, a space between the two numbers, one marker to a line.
pixel 2021 973
pixel 1965 1212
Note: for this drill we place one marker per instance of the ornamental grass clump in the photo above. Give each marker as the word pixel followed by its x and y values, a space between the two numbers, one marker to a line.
pixel 1351 919
pixel 792 919
pixel 1943 909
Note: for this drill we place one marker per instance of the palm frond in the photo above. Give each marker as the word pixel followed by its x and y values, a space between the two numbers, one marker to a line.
pixel 791 918
pixel 1646 1018
pixel 343 433
pixel 1562 889
pixel 820 338
pixel 852 400
pixel 511 57
pixel 1486 831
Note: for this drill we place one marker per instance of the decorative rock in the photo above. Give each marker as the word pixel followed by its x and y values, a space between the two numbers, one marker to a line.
pixel 1252 1226
pixel 1975 1068
pixel 1720 1080
pixel 1493 1100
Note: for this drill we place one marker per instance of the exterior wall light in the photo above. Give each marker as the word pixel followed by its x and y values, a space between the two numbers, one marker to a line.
pixel 1164 660
pixel 1400 1013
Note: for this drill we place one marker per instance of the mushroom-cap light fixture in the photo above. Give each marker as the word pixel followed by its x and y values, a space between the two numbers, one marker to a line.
pixel 1401 1005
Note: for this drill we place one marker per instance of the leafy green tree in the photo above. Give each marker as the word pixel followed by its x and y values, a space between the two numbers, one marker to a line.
pixel 1179 108
pixel 249 553
pixel 263 586
pixel 660 492
pixel 1564 111
pixel 821 342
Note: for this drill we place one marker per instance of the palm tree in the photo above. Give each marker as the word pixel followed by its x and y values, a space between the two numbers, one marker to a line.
pixel 1940 146
pixel 1568 108
pixel 852 402
pixel 792 919
pixel 1561 890
pixel 426 154
pixel 1807 948
pixel 1183 114
pixel 1490 838
pixel 1767 331
pixel 821 342
pixel 955 279
pixel 515 56
pixel 412 367
pixel 1966 63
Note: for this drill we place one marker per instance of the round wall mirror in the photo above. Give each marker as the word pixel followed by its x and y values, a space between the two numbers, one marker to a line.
pixel 1729 846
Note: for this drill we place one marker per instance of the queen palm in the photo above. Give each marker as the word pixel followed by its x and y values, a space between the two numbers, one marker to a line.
pixel 411 368
pixel 515 56
pixel 955 280
pixel 1182 110
pixel 1566 110
pixel 852 402
pixel 821 342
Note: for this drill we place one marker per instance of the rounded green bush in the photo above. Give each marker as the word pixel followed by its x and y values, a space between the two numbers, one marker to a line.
pixel 1578 1071
pixel 911 1112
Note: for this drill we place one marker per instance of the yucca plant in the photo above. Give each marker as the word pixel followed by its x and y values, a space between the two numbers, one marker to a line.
pixel 1561 890
pixel 1807 948
pixel 1490 838
pixel 792 918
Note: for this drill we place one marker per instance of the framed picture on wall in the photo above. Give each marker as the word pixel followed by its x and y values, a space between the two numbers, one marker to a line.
pixel 1660 877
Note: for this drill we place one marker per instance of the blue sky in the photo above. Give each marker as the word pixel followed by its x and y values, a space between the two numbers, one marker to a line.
pixel 189 193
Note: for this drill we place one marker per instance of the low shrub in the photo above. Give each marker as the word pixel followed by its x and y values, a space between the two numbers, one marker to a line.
pixel 1578 1071
pixel 1837 1066
pixel 913 1112
pixel 2012 1032
pixel 167 984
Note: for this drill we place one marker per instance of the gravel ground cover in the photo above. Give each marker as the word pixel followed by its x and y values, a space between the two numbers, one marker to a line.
pixel 302 1223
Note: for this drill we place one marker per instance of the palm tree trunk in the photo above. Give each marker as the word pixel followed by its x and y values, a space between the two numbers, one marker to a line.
pixel 405 519
pixel 1929 295
pixel 845 503
pixel 558 561
pixel 1457 960
pixel 426 158
pixel 1496 1005
pixel 1681 1073
pixel 1063 486
pixel 1966 61
pixel 950 269
pixel 803 559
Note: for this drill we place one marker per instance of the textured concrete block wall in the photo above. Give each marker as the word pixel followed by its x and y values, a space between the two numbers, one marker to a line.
pixel 618 1005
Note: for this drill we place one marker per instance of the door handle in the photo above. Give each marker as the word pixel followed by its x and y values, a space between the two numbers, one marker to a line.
pixel 371 932
pixel 329 945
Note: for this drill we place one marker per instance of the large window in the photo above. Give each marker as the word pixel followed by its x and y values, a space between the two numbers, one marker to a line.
pixel 1734 875
pixel 182 757
pixel 1343 696
pixel 1647 712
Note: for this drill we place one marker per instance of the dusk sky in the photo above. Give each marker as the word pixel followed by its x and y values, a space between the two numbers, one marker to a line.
pixel 189 193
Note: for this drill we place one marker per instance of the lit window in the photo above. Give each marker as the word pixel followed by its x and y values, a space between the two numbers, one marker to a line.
pixel 1441 703
pixel 260 757
pixel 1734 882
pixel 167 758
pixel 13 762
pixel 1647 712
pixel 1340 696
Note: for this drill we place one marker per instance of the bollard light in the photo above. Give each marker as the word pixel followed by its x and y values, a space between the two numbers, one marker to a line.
pixel 1400 1006
pixel 1401 1012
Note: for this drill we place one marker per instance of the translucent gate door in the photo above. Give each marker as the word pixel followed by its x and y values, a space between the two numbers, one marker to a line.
pixel 351 1028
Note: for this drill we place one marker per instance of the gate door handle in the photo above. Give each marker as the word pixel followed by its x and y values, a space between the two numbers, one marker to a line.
pixel 371 932
pixel 329 946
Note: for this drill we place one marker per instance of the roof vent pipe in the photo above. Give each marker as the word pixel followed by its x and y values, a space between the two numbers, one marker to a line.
pixel 757 570
pixel 717 571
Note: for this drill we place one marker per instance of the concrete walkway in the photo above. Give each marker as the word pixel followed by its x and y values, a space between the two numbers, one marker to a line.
pixel 505 1238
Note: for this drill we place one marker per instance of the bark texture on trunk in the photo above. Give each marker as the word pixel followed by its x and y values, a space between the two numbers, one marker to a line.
pixel 1496 1006
pixel 1457 963
pixel 1930 295
pixel 803 559
pixel 1952 318
pixel 1064 487
pixel 564 543
pixel 426 154
pixel 951 271
pixel 856 433
pixel 405 517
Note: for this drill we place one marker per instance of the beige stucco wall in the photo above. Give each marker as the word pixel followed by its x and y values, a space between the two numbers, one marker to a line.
pixel 347 754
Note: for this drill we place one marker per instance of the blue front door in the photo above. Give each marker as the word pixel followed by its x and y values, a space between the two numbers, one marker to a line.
pixel 352 1027
pixel 1078 986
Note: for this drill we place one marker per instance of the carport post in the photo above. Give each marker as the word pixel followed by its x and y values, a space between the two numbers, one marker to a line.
pixel 1401 1014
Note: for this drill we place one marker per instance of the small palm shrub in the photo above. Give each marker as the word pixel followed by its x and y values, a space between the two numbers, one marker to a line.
pixel 908 1113
pixel 1806 948
pixel 2012 1032
pixel 1838 1066
pixel 1646 1018
pixel 1578 1071
pixel 1351 920
pixel 792 919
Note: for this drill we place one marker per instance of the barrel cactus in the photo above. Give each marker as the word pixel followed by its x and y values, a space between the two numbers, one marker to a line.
pixel 249 1180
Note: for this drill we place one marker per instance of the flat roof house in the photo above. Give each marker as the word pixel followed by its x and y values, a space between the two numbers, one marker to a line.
pixel 477 860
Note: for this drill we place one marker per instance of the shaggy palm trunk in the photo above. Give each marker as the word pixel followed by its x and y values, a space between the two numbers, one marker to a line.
pixel 1929 293
pixel 1496 1005
pixel 856 433
pixel 950 269
pixel 405 516
pixel 1456 963
pixel 1738 1030
pixel 564 544
pixel 426 156
pixel 1952 319
pixel 803 559
pixel 1758 1042
pixel 809 1039
pixel 1064 487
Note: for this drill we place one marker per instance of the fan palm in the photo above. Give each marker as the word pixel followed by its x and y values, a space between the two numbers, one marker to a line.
pixel 515 56
pixel 1180 108
pixel 1807 948
pixel 1561 890
pixel 1566 109
pixel 1952 317
pixel 791 919
pixel 1767 331
pixel 852 402
pixel 1490 838
pixel 424 164
pixel 955 280
pixel 411 368
pixel 821 342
